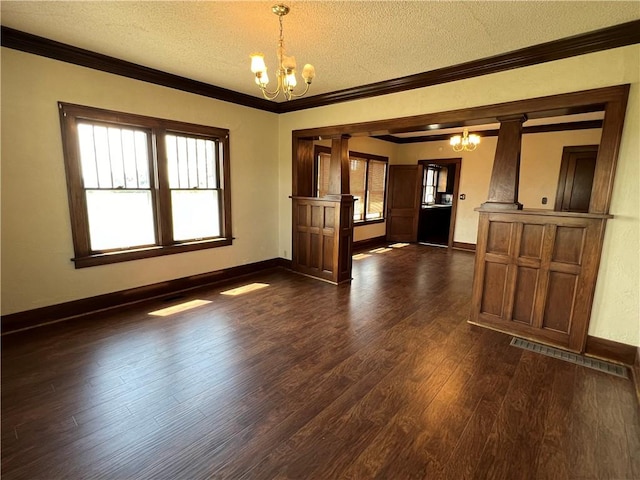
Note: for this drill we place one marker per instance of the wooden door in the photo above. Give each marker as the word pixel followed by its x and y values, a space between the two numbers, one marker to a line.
pixel 576 178
pixel 403 202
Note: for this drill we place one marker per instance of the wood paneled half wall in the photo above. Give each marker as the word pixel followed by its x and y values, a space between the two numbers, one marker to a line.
pixel 535 270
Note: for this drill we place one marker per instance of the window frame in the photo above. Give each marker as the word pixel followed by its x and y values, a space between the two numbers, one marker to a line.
pixel 436 178
pixel 84 256
pixel 320 149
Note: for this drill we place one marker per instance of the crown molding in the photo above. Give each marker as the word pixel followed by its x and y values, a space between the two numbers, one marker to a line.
pixel 26 42
pixel 553 127
pixel 603 39
pixel 598 40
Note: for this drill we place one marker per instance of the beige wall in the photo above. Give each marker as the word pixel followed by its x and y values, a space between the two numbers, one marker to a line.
pixel 36 238
pixel 474 178
pixel 36 234
pixel 539 170
pixel 617 299
pixel 540 163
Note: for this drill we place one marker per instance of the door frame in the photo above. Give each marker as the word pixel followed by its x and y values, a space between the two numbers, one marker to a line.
pixel 564 167
pixel 457 161
pixel 417 199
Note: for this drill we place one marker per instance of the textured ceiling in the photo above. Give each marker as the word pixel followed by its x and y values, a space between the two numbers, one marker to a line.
pixel 349 43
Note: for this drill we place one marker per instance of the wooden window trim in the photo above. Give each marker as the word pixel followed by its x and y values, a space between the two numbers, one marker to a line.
pixel 318 149
pixel 70 114
pixel 378 158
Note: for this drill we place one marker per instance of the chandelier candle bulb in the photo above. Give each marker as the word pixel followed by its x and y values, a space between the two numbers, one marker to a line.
pixel 257 63
pixel 290 79
pixel 308 73
pixel 289 63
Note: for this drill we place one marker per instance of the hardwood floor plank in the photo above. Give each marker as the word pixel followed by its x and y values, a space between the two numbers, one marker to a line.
pixel 512 446
pixel 610 422
pixel 492 379
pixel 554 461
pixel 584 426
pixel 382 378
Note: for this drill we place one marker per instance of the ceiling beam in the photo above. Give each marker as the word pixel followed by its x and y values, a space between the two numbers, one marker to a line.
pixel 553 127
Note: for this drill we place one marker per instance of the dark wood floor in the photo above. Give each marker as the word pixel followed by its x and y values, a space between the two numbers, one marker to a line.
pixel 382 379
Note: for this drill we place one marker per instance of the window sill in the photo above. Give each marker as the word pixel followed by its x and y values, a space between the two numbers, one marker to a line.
pixel 360 223
pixel 155 251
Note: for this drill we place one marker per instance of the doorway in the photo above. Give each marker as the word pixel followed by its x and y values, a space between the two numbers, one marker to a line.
pixel 576 178
pixel 440 185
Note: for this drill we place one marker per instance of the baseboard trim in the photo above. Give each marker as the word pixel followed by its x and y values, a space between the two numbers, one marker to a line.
pixel 470 247
pixel 64 311
pixel 612 351
pixel 369 243
pixel 284 263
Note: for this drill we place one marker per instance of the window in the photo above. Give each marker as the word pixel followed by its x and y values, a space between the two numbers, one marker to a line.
pixel 142 187
pixel 367 182
pixel 429 183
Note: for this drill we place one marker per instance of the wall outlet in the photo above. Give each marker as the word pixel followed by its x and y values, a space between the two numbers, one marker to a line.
pixel 544 200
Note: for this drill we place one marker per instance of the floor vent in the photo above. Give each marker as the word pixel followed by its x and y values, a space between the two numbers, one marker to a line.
pixel 606 367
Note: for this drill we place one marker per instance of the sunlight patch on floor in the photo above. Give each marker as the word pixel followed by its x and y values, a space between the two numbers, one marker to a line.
pixel 251 287
pixel 360 256
pixel 181 307
pixel 399 245
pixel 381 250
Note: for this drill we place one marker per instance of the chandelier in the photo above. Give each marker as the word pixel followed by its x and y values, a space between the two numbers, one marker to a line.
pixel 466 141
pixel 286 72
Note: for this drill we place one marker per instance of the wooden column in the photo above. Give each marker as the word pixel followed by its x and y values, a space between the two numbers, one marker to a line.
pixel 323 227
pixel 503 189
pixel 339 166
pixel 303 162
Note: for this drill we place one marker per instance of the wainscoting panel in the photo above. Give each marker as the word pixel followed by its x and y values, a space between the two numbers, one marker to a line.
pixel 535 274
pixel 322 237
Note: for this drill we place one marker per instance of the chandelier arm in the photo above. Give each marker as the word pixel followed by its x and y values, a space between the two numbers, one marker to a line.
pixel 296 95
pixel 275 93
pixel 270 95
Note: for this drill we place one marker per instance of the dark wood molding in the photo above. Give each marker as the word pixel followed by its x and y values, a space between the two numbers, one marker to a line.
pixel 570 155
pixel 470 247
pixel 612 351
pixel 155 128
pixel 555 127
pixel 26 42
pixel 583 101
pixel 603 39
pixel 369 243
pixel 635 373
pixel 284 263
pixel 590 42
pixel 109 301
pixel 505 175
